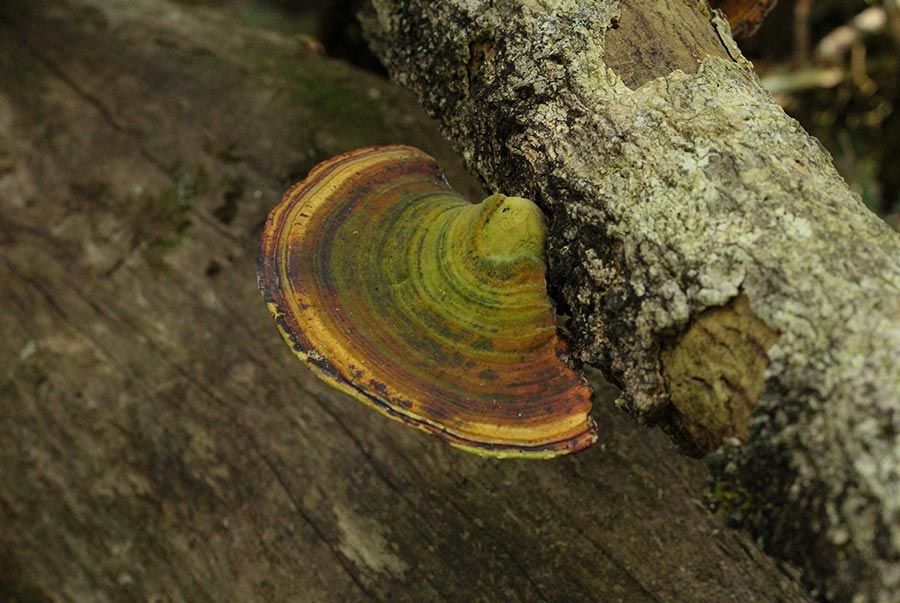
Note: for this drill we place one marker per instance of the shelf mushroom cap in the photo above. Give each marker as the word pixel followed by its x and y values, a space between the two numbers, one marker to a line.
pixel 396 290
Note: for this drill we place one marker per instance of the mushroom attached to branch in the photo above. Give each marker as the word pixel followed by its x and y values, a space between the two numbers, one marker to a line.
pixel 396 290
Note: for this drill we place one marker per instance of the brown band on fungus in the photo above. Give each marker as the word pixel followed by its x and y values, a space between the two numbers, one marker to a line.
pixel 716 372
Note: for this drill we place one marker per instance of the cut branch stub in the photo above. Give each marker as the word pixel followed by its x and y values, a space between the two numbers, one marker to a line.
pixel 396 290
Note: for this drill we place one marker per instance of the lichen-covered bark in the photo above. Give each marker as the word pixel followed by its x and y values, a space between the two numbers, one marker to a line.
pixel 676 186
pixel 161 443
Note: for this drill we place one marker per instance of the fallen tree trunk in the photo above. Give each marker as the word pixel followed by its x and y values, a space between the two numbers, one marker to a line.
pixel 715 265
pixel 161 443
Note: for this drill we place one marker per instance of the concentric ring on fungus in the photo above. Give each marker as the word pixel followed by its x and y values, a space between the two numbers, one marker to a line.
pixel 396 290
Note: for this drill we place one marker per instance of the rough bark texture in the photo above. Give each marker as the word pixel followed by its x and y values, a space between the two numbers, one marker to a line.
pixel 710 256
pixel 161 443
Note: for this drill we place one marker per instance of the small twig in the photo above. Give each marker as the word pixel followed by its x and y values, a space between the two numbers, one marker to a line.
pixel 802 43
pixel 804 79
pixel 858 71
pixel 837 43
pixel 892 10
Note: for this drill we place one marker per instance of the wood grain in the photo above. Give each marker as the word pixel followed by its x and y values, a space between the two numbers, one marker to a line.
pixel 161 442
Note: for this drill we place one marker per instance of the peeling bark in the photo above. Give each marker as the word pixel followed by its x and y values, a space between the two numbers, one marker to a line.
pixel 675 186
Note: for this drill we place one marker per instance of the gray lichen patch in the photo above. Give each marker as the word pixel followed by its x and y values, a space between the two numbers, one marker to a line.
pixel 712 214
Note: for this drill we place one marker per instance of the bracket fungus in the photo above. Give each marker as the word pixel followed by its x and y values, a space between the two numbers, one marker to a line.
pixel 393 288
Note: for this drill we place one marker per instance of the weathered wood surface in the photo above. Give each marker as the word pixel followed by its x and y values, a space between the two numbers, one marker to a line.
pixel 160 442
pixel 713 261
